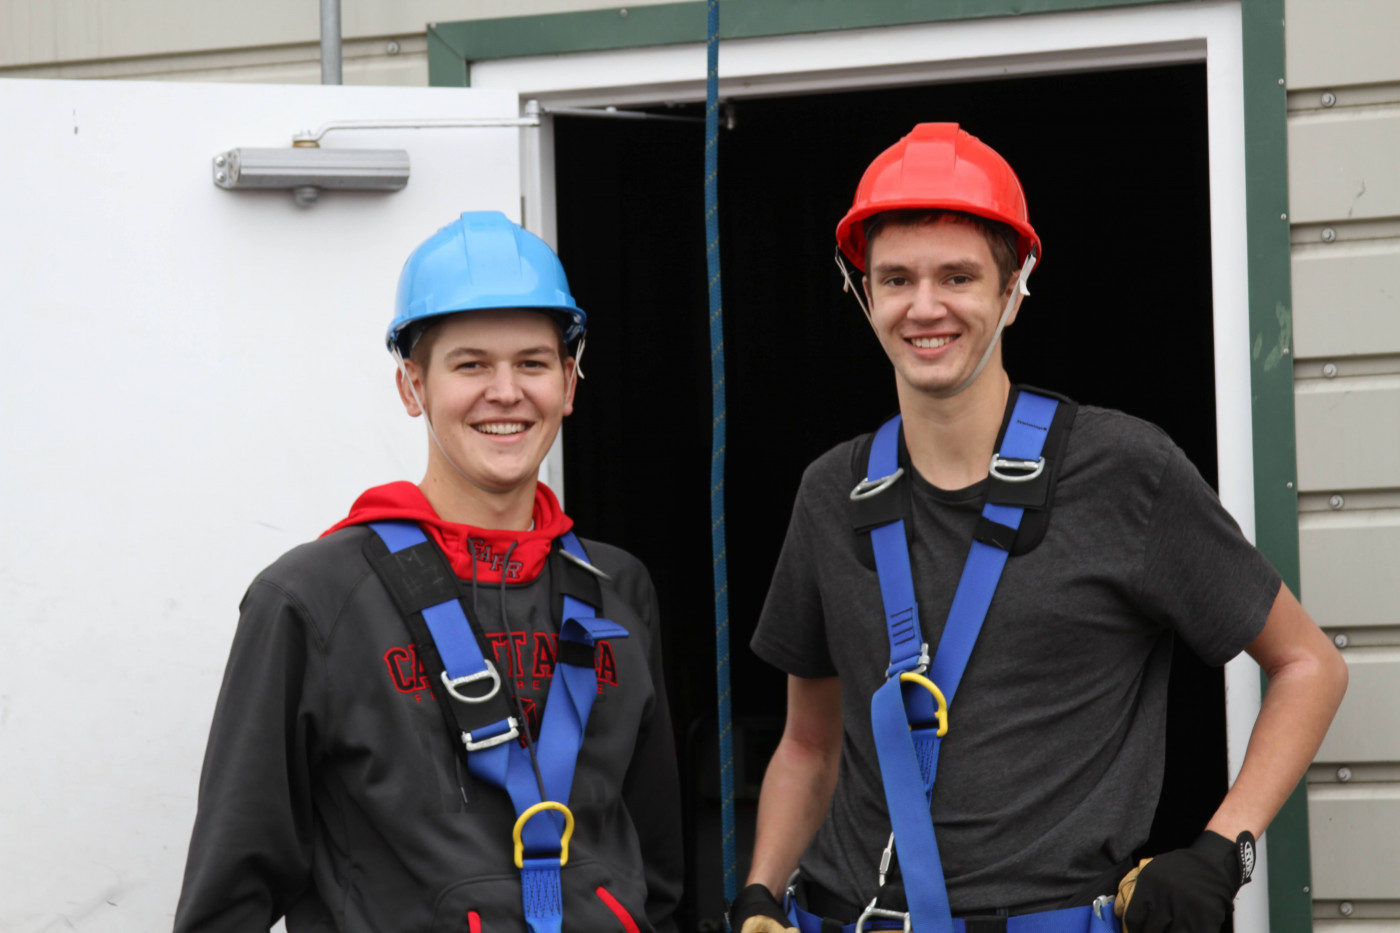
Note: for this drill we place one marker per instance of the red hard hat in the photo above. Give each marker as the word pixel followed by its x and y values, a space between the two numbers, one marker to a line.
pixel 938 166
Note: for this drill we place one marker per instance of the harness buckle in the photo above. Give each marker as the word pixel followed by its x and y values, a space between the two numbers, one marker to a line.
pixel 923 665
pixel 476 745
pixel 452 683
pixel 873 487
pixel 1032 468
pixel 563 840
pixel 885 858
pixel 1100 902
pixel 880 913
pixel 790 890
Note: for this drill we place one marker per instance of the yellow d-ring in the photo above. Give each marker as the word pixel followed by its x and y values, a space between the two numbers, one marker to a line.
pixel 525 818
pixel 931 687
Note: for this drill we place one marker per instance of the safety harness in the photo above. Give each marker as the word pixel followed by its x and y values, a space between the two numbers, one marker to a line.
pixel 909 712
pixel 478 712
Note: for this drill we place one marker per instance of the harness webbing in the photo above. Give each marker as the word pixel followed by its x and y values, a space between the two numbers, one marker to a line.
pixel 493 754
pixel 906 717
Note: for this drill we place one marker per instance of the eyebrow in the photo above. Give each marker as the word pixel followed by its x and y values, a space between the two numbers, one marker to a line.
pixel 463 351
pixel 478 352
pixel 963 266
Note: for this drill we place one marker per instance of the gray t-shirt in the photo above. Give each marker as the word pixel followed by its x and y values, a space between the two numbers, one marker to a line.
pixel 1052 765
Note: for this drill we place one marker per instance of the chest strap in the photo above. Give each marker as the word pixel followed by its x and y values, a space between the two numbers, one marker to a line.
pixel 909 712
pixel 477 709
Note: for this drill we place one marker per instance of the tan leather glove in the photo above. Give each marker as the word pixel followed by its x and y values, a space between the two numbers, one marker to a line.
pixel 764 925
pixel 1125 891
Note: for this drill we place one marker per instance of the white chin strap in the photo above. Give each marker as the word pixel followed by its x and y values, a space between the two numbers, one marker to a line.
pixel 1022 287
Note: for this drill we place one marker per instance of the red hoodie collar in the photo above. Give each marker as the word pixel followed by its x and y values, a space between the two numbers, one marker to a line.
pixel 471 550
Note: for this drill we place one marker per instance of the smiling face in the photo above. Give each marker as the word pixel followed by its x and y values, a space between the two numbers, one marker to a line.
pixel 495 390
pixel 935 299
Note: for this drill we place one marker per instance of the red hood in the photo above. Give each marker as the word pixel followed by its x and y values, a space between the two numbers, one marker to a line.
pixel 404 501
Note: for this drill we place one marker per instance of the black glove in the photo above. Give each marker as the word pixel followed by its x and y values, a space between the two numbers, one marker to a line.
pixel 1189 890
pixel 757 901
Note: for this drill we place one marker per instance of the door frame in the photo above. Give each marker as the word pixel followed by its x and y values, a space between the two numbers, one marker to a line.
pixel 654 55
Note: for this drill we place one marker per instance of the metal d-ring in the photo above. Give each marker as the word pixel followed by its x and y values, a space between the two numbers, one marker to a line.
pixel 1036 467
pixel 452 683
pixel 881 913
pixel 873 487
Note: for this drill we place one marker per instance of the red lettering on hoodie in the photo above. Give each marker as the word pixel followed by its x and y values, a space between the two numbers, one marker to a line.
pixel 546 650
pixel 406 670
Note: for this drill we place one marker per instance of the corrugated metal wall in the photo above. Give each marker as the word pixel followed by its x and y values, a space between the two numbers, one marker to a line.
pixel 265 41
pixel 1344 192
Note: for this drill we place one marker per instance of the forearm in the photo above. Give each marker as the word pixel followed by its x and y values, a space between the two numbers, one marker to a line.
pixel 793 803
pixel 1303 694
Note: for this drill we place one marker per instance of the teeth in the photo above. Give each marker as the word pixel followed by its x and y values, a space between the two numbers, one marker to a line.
pixel 930 343
pixel 501 427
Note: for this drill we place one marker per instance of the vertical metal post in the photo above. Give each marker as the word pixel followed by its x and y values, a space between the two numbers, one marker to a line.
pixel 330 42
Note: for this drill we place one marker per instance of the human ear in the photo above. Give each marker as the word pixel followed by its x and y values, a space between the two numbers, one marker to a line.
pixel 408 379
pixel 570 384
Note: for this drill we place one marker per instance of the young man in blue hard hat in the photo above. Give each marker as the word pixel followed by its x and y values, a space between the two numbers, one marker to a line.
pixel 399 743
pixel 975 607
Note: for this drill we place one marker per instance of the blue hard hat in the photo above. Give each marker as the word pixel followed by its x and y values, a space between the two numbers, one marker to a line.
pixel 482 260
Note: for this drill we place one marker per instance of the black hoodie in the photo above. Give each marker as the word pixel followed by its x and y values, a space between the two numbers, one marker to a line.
pixel 331 793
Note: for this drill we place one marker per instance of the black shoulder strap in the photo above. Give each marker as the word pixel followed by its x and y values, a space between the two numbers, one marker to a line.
pixel 418 577
pixel 567 578
pixel 1036 497
pixel 873 511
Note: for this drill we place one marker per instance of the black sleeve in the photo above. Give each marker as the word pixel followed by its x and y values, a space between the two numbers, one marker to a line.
pixel 791 631
pixel 250 854
pixel 651 789
pixel 1200 576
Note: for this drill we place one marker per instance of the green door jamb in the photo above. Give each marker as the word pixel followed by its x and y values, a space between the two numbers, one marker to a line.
pixel 452 47
pixel 1271 377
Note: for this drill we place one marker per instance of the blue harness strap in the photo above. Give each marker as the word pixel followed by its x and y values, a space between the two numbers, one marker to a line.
pixel 1070 920
pixel 494 754
pixel 909 711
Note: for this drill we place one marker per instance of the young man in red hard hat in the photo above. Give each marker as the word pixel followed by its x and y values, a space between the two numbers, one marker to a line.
pixel 1032 557
pixel 399 743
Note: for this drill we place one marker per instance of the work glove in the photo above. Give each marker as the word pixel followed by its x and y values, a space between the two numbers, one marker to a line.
pixel 1188 890
pixel 756 910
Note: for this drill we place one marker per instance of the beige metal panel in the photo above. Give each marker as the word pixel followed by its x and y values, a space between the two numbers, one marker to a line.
pixel 1367 727
pixel 1355 834
pixel 1350 570
pixel 1342 166
pixel 1348 433
pixel 39 32
pixel 1356 926
pixel 1332 42
pixel 1345 299
pixel 391 61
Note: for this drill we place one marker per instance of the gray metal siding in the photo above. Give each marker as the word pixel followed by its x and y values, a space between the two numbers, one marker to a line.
pixel 1344 194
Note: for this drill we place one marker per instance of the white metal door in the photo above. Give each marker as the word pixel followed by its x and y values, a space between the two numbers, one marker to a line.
pixel 195 381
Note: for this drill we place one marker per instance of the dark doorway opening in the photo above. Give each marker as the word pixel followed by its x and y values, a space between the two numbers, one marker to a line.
pixel 1115 170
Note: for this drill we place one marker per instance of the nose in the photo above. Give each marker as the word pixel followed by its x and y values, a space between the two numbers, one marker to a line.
pixel 927 303
pixel 504 387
